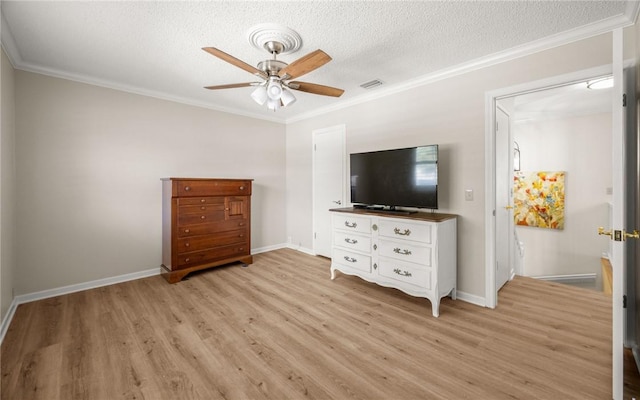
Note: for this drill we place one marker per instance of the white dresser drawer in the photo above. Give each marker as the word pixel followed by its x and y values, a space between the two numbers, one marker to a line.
pixel 405 251
pixel 352 260
pixel 399 229
pixel 405 273
pixel 351 223
pixel 352 241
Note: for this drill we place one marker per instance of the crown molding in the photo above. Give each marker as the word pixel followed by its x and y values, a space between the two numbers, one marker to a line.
pixel 549 42
pixel 584 32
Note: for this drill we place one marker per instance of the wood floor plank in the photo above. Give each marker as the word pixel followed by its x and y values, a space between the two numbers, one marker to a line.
pixel 281 329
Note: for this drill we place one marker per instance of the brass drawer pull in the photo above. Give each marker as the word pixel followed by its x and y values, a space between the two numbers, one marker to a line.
pixel 350 225
pixel 351 241
pixel 406 232
pixel 187 231
pixel 241 187
pixel 187 188
pixel 186 260
pixel 203 208
pixel 403 252
pixel 203 216
pixel 350 259
pixel 203 200
pixel 187 244
pixel 402 273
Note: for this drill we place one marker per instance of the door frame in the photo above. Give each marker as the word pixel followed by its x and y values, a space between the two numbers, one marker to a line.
pixel 342 129
pixel 491 296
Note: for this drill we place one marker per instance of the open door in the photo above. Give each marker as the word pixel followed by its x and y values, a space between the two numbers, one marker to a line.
pixel 504 199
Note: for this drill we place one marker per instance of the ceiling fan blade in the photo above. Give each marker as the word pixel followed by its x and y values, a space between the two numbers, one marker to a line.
pixel 232 85
pixel 304 65
pixel 316 89
pixel 234 61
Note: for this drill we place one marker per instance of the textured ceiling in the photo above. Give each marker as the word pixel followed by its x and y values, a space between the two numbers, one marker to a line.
pixel 154 48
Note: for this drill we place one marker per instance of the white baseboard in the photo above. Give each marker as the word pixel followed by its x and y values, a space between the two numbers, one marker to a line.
pixel 302 249
pixel 268 248
pixel 471 298
pixel 45 294
pixel 568 278
pixel 7 319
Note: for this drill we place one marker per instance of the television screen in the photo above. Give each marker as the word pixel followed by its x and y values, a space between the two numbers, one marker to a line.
pixel 400 177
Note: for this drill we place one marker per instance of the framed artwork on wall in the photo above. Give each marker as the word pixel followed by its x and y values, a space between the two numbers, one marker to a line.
pixel 539 199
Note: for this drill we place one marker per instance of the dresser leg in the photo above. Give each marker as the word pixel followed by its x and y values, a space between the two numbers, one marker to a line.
pixel 333 273
pixel 435 307
pixel 453 294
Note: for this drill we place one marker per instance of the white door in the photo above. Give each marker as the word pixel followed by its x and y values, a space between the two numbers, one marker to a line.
pixel 504 199
pixel 329 172
pixel 618 262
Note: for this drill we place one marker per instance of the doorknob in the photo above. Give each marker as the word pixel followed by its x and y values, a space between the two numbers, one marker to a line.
pixel 338 202
pixel 601 231
pixel 634 235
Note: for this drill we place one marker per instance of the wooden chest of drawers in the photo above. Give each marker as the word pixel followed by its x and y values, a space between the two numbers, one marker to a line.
pixel 415 253
pixel 205 223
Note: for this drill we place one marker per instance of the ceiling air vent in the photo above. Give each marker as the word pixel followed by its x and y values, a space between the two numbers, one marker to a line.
pixel 372 84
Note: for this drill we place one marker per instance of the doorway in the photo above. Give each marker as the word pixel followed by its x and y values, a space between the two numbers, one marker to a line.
pixel 329 174
pixel 561 182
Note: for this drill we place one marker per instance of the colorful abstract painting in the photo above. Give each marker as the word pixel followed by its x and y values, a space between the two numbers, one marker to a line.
pixel 539 199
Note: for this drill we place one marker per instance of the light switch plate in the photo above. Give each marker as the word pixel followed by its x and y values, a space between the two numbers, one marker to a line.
pixel 468 194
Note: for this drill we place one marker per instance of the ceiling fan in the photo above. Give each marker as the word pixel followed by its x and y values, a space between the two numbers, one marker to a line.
pixel 276 76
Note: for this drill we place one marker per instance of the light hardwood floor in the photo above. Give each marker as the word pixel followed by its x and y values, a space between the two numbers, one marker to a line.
pixel 281 329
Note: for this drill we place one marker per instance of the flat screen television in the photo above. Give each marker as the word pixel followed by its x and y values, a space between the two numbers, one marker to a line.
pixel 395 178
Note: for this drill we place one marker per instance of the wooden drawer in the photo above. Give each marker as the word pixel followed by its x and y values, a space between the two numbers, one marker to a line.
pixel 405 251
pixel 202 242
pixel 219 253
pixel 351 260
pixel 351 223
pixel 405 273
pixel 213 188
pixel 200 208
pixel 192 201
pixel 352 241
pixel 200 218
pixel 405 230
pixel 203 229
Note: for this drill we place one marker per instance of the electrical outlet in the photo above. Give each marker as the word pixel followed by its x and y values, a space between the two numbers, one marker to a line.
pixel 468 194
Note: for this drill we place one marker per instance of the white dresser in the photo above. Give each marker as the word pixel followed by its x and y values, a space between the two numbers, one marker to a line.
pixel 415 253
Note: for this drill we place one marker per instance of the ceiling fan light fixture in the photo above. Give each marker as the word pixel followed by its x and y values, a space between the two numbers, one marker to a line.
pixel 287 97
pixel 274 89
pixel 273 104
pixel 260 95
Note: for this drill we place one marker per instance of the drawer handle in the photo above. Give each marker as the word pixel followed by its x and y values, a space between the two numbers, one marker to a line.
pixel 403 252
pixel 203 208
pixel 203 216
pixel 241 187
pixel 406 232
pixel 375 266
pixel 187 245
pixel 187 231
pixel 375 247
pixel 203 200
pixel 186 260
pixel 350 225
pixel 374 227
pixel 241 224
pixel 187 188
pixel 351 241
pixel 402 273
pixel 350 259
pixel 241 249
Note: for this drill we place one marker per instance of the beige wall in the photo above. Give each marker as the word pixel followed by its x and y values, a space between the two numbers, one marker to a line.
pixel 89 162
pixel 7 184
pixel 580 146
pixel 450 113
